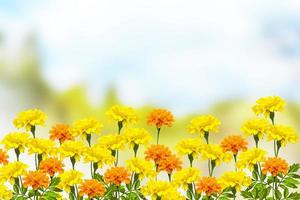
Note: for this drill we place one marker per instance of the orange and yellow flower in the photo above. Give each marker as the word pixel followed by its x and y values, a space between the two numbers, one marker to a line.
pixel 169 164
pixel 160 117
pixel 36 180
pixel 3 157
pixel 91 188
pixel 117 175
pixel 234 144
pixel 209 186
pixel 51 166
pixel 61 132
pixel 275 166
pixel 157 153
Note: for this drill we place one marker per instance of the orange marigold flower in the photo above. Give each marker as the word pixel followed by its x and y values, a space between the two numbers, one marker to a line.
pixel 157 153
pixel 208 185
pixel 234 143
pixel 91 188
pixel 61 132
pixel 169 164
pixel 3 157
pixel 51 166
pixel 275 166
pixel 117 175
pixel 160 117
pixel 36 179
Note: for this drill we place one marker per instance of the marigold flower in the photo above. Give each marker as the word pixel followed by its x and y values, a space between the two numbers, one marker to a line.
pixel 208 185
pixel 5 193
pixel 282 133
pixel 112 142
pixel 15 140
pixel 69 179
pixel 160 117
pixel 268 105
pixel 204 124
pixel 215 153
pixel 255 127
pixel 186 176
pixel 91 188
pixel 162 189
pixel 137 136
pixel 30 118
pixel 234 144
pixel 41 146
pixel 157 153
pixel 275 166
pixel 11 171
pixel 86 126
pixel 234 179
pixel 99 155
pixel 144 168
pixel 61 132
pixel 249 158
pixel 122 114
pixel 190 146
pixel 72 149
pixel 117 175
pixel 169 164
pixel 36 180
pixel 51 166
pixel 3 157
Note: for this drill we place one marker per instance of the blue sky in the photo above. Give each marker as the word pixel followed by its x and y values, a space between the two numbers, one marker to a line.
pixel 178 54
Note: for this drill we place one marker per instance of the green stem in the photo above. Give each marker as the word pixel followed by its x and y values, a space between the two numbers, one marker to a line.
pixel 191 159
pixel 170 177
pixel 158 132
pixel 117 157
pixel 73 161
pixel 32 129
pixel 206 136
pixel 17 151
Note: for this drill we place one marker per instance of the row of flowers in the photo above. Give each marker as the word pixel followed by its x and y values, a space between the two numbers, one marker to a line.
pixel 257 175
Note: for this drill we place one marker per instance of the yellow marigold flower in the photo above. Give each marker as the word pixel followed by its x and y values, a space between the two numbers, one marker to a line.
pixel 41 146
pixel 234 144
pixel 186 176
pixel 30 118
pixel 249 158
pixel 69 179
pixel 61 132
pixel 137 136
pixel 204 124
pixel 117 175
pixel 144 168
pixel 268 105
pixel 190 147
pixel 215 153
pixel 123 114
pixel 51 166
pixel 255 127
pixel 112 142
pixel 91 188
pixel 172 194
pixel 234 179
pixel 282 133
pixel 72 149
pixel 160 117
pixel 209 186
pixel 275 166
pixel 36 180
pixel 12 171
pixel 99 155
pixel 157 189
pixel 5 193
pixel 15 140
pixel 87 126
pixel 3 157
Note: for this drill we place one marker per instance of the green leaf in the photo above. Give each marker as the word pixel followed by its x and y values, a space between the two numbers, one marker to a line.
pixel 246 194
pixel 294 195
pixel 294 175
pixel 294 168
pixel 286 193
pixel 278 194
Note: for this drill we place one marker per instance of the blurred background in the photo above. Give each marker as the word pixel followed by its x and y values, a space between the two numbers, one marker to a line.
pixel 75 59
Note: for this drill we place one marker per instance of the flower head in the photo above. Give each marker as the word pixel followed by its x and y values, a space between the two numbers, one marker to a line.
pixel 204 124
pixel 162 189
pixel 215 153
pixel 157 153
pixel 41 146
pixel 234 179
pixel 282 133
pixel 72 149
pixel 15 140
pixel 61 132
pixel 5 193
pixel 144 168
pixel 91 188
pixel 51 166
pixel 275 166
pixel 255 127
pixel 249 158
pixel 12 170
pixel 3 157
pixel 87 126
pixel 29 118
pixel 169 164
pixel 268 105
pixel 137 136
pixel 99 155
pixel 160 117
pixel 234 144
pixel 186 176
pixel 190 147
pixel 69 179
pixel 117 175
pixel 123 114
pixel 208 185
pixel 112 142
pixel 36 180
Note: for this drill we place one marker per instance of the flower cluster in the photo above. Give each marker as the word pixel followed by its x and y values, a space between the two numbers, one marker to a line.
pixel 158 173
